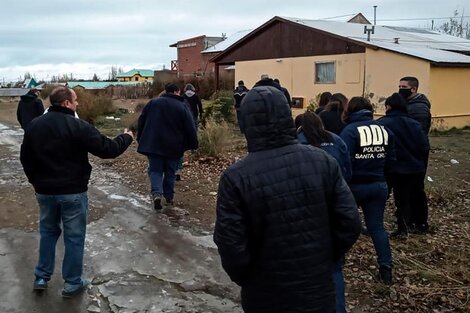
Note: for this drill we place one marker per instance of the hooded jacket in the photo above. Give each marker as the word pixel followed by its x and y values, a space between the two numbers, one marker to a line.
pixel 411 144
pixel 29 107
pixel 166 127
pixel 239 93
pixel 284 214
pixel 55 148
pixel 419 109
pixel 370 147
pixel 194 103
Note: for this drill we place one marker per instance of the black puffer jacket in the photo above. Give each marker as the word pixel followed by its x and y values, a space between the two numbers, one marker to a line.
pixel 419 109
pixel 284 214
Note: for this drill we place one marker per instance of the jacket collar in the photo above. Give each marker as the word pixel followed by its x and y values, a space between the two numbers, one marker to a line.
pixel 173 96
pixel 362 115
pixel 60 109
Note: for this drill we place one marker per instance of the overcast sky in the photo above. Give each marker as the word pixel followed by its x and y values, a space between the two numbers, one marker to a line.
pixel 84 37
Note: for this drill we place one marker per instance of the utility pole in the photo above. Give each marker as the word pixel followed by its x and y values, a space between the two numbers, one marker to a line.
pixel 375 14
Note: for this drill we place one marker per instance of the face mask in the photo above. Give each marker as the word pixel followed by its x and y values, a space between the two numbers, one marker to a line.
pixel 405 93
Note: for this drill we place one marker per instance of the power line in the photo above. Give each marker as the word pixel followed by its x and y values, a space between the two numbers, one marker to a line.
pixel 333 17
pixel 423 18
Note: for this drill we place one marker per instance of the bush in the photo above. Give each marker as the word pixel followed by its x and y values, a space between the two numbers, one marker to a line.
pixel 91 107
pixel 214 138
pixel 46 91
pixel 220 109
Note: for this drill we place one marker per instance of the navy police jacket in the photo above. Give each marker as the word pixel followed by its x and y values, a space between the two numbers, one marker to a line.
pixel 411 144
pixel 370 147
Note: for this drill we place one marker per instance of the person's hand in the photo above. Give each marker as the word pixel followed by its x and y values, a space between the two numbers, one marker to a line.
pixel 129 132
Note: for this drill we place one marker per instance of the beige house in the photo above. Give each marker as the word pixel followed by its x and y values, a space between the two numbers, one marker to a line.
pixel 312 56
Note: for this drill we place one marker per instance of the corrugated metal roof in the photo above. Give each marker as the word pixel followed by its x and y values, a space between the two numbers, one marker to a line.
pixel 13 92
pixel 221 46
pixel 100 85
pixel 141 72
pixel 421 43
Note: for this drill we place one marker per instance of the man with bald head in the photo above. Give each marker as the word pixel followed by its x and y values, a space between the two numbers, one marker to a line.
pixel 54 155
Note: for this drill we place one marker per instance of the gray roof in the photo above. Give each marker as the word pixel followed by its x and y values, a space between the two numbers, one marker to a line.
pixel 13 92
pixel 420 43
pixel 230 40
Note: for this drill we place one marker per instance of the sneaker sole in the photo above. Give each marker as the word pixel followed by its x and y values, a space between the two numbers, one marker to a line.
pixel 157 205
pixel 39 288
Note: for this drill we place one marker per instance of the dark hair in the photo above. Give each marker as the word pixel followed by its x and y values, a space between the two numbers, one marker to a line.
pixel 324 99
pixel 241 83
pixel 355 105
pixel 59 95
pixel 171 88
pixel 298 120
pixel 314 130
pixel 412 81
pixel 276 80
pixel 337 101
pixel 396 101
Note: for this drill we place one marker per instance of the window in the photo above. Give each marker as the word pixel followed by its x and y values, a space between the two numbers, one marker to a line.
pixel 325 73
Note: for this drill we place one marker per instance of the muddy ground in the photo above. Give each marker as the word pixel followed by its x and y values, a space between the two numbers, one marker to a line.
pixel 431 272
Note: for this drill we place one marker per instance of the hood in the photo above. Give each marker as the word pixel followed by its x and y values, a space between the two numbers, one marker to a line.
pixel 28 97
pixel 267 118
pixel 189 93
pixel 362 115
pixel 420 98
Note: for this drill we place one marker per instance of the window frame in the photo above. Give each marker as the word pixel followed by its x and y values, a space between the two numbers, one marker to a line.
pixel 315 81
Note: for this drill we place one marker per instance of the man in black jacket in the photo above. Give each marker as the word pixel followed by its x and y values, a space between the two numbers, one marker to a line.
pixel 54 155
pixel 166 130
pixel 418 105
pixel 405 173
pixel 285 215
pixel 419 109
pixel 29 107
pixel 238 94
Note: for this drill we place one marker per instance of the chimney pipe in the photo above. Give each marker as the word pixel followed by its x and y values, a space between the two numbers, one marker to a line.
pixel 375 13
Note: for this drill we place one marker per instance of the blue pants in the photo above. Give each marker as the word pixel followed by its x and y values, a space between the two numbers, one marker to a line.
pixel 71 210
pixel 339 286
pixel 161 172
pixel 371 198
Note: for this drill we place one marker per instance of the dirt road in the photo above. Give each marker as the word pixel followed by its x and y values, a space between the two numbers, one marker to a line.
pixel 136 259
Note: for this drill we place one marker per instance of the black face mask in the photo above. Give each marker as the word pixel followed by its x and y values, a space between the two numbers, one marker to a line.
pixel 404 92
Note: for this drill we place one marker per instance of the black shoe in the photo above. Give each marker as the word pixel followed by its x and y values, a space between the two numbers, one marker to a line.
pixel 420 229
pixel 398 233
pixel 40 284
pixel 365 231
pixel 385 274
pixel 157 202
pixel 169 201
pixel 178 177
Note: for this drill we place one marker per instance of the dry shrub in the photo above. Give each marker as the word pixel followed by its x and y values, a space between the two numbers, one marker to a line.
pixel 91 107
pixel 214 138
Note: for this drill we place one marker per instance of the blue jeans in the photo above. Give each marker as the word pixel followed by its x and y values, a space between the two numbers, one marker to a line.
pixel 339 286
pixel 161 172
pixel 371 198
pixel 71 210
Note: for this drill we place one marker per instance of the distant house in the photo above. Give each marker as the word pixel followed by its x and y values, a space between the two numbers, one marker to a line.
pixel 190 62
pixel 312 56
pixel 136 75
pixel 29 83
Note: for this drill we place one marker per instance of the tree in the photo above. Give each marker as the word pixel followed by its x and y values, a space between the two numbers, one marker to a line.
pixel 95 77
pixel 28 75
pixel 456 27
pixel 112 74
